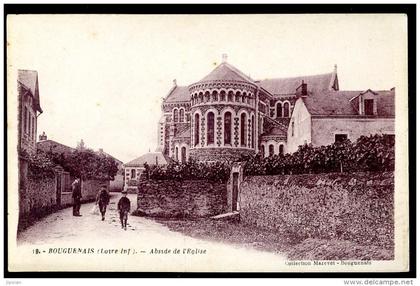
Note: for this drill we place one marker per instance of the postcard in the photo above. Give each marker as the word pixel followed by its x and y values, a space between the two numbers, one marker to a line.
pixel 207 143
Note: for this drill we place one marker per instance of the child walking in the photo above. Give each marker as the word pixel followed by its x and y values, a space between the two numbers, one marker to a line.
pixel 124 208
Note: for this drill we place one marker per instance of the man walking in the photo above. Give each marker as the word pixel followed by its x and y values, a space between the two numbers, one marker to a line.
pixel 124 208
pixel 77 196
pixel 102 200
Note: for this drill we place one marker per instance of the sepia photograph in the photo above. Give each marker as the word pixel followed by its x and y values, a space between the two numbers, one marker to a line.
pixel 207 143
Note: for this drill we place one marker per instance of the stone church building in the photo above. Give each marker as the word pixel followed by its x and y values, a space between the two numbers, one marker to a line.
pixel 228 114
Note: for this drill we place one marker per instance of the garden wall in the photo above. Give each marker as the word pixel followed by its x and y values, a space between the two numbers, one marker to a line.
pixel 38 195
pixel 189 198
pixel 348 206
pixel 90 189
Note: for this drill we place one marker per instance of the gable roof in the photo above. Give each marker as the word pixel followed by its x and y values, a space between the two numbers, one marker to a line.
pixel 340 103
pixel 226 71
pixel 29 79
pixel 184 133
pixel 290 84
pixel 178 94
pixel 149 158
pixel 275 128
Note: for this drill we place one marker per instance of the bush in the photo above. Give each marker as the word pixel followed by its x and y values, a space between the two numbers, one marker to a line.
pixel 39 165
pixel 85 164
pixel 192 170
pixel 368 153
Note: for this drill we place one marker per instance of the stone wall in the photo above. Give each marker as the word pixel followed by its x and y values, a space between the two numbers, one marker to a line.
pixel 38 196
pixel 357 206
pixel 182 199
pixel 90 189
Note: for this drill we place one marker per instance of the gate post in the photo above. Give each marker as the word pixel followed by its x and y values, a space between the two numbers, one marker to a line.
pixel 233 188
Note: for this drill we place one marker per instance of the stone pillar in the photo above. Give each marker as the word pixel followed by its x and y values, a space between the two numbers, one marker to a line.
pixel 219 131
pixel 203 131
pixel 236 131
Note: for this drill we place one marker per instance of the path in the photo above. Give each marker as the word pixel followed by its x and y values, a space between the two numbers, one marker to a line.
pixel 60 231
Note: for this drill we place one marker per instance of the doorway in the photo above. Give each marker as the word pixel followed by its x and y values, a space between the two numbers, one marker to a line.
pixel 235 192
pixel 58 191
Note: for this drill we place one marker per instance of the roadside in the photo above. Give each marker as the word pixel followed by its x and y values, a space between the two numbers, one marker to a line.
pixel 276 242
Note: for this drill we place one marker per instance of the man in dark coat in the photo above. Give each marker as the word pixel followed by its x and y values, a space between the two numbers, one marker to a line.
pixel 102 200
pixel 124 208
pixel 77 197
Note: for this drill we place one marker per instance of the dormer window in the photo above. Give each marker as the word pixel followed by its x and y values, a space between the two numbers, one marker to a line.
pixel 369 107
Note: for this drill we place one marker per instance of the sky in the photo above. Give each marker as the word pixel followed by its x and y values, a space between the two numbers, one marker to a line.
pixel 102 77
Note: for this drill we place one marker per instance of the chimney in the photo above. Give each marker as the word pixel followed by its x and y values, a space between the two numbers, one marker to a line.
pixel 224 58
pixel 43 136
pixel 302 90
pixel 174 81
pixel 156 160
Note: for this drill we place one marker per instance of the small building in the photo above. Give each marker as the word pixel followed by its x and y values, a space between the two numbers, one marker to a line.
pixel 51 146
pixel 134 168
pixel 326 117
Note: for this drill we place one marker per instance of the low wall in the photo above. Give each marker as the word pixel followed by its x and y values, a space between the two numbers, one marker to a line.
pixel 38 196
pixel 117 184
pixel 357 206
pixel 190 198
pixel 90 189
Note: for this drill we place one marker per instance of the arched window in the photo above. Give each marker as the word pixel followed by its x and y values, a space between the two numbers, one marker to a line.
pixel 243 97
pixel 278 109
pixel 228 128
pixel 176 153
pixel 183 154
pixel 243 129
pixel 214 96
pixel 286 109
pixel 175 115
pixel 271 150
pixel 281 149
pixel 200 97
pixel 181 115
pixel 252 131
pixel 263 151
pixel 230 96
pixel 222 95
pixel 196 129
pixel 238 96
pixel 133 173
pixel 210 128
pixel 207 96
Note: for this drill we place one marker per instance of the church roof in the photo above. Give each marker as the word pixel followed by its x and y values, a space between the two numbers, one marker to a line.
pixel 29 79
pixel 290 84
pixel 149 158
pixel 178 94
pixel 226 71
pixel 184 133
pixel 275 128
pixel 342 103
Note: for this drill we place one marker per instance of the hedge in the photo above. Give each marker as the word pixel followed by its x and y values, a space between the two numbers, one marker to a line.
pixel 191 170
pixel 368 153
